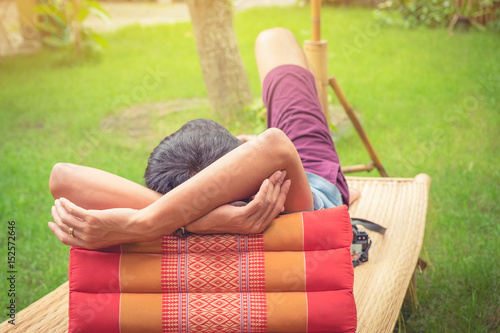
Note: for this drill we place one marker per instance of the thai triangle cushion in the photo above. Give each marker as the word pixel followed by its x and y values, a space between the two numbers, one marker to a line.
pixel 296 276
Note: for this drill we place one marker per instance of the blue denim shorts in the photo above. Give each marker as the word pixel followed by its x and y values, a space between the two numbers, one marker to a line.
pixel 325 194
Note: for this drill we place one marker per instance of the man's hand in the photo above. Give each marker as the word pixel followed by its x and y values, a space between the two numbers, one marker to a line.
pixel 246 137
pixel 251 218
pixel 93 229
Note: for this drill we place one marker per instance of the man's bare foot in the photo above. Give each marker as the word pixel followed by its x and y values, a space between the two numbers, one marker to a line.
pixel 354 195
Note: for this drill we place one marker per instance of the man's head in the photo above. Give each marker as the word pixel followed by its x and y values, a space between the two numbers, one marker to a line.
pixel 186 152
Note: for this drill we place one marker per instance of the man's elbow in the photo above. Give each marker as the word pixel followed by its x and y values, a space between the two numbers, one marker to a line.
pixel 282 148
pixel 58 179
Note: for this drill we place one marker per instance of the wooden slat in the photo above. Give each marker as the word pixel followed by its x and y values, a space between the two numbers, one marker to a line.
pixel 48 314
pixel 380 285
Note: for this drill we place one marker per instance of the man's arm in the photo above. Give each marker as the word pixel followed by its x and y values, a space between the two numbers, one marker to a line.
pixel 92 188
pixel 241 218
pixel 235 176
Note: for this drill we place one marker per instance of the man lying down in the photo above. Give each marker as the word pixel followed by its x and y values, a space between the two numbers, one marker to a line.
pixel 195 173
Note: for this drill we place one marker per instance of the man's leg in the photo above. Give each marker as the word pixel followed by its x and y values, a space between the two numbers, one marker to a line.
pixel 291 98
pixel 276 47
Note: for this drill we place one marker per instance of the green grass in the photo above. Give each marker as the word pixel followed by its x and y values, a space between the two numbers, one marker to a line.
pixel 429 102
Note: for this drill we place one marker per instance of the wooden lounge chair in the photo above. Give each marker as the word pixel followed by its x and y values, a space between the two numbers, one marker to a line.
pixel 380 285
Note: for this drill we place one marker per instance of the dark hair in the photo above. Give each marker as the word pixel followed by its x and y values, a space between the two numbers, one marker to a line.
pixel 178 157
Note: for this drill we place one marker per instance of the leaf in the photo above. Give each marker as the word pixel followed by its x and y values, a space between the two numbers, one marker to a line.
pixel 43 9
pixel 478 26
pixel 53 41
pixel 96 9
pixel 83 13
pixel 97 6
pixel 69 9
pixel 91 45
pixel 47 27
pixel 333 127
pixel 99 14
pixel 99 40
pixel 66 36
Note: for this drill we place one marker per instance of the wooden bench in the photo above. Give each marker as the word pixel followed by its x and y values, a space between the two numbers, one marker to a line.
pixel 380 285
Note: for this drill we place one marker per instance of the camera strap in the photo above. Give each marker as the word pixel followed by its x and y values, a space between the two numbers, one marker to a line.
pixel 368 225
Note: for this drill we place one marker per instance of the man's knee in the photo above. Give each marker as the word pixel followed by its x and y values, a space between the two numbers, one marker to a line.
pixel 270 36
pixel 275 47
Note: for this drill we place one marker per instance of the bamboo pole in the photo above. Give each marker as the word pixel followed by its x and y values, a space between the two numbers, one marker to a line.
pixel 358 168
pixel 316 20
pixel 316 51
pixel 357 125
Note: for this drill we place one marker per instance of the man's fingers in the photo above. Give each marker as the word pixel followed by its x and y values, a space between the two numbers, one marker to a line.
pixel 276 205
pixel 73 209
pixel 63 218
pixel 273 193
pixel 268 202
pixel 275 177
pixel 57 219
pixel 259 200
pixel 267 209
pixel 280 203
pixel 278 177
pixel 282 178
pixel 64 237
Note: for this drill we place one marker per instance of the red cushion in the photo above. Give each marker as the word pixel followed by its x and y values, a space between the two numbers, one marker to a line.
pixel 295 277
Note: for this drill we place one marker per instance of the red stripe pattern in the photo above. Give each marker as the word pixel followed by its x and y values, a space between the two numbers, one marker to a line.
pixel 212 243
pixel 220 264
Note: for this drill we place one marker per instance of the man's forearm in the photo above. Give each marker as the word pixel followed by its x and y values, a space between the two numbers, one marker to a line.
pixel 92 188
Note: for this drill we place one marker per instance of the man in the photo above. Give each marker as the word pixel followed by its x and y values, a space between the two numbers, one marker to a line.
pixel 281 157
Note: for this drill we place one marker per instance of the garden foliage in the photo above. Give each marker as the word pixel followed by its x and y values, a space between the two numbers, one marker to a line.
pixel 431 13
pixel 61 23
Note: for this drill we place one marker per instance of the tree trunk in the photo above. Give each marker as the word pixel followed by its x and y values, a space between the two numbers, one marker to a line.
pixel 28 19
pixel 223 71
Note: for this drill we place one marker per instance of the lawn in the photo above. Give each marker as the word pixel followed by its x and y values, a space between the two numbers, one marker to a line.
pixel 429 102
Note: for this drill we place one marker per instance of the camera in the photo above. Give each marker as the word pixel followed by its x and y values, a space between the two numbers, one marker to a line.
pixel 360 243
